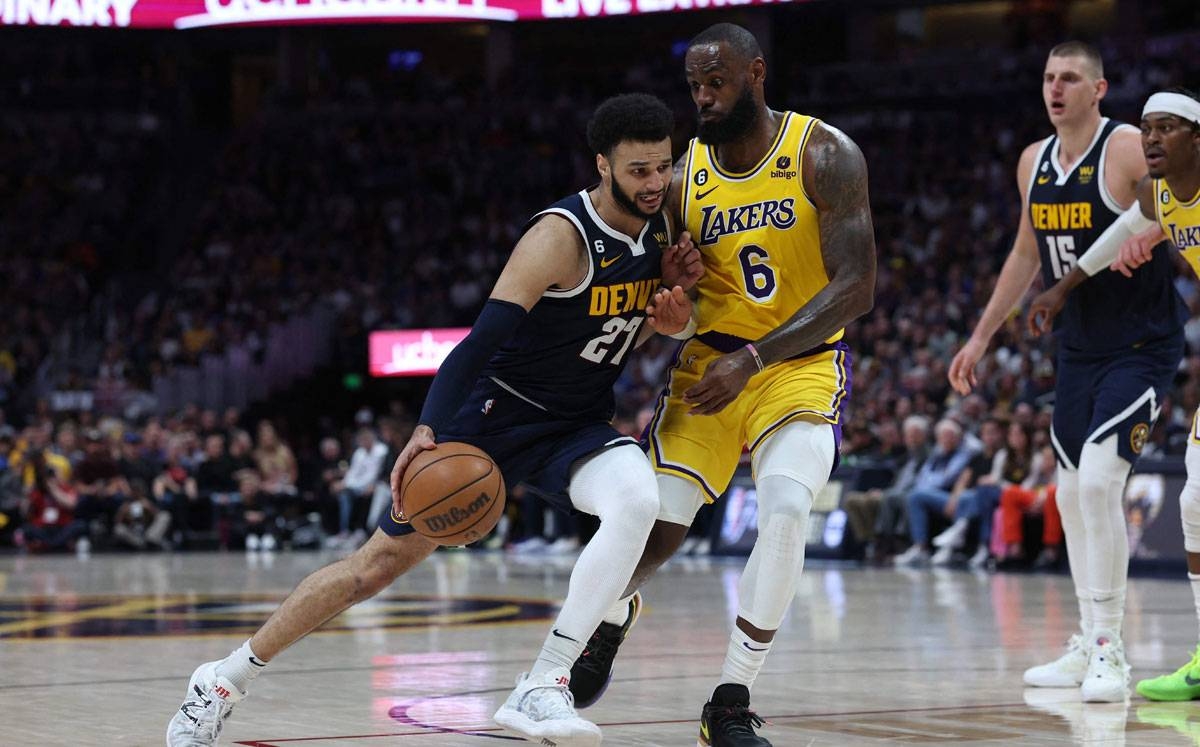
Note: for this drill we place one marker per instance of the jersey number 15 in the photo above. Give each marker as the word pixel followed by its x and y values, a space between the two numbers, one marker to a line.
pixel 1062 255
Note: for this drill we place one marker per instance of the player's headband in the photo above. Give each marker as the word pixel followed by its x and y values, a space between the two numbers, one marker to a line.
pixel 1184 107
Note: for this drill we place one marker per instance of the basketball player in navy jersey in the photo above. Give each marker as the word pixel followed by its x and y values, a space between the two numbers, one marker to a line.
pixel 532 385
pixel 1119 341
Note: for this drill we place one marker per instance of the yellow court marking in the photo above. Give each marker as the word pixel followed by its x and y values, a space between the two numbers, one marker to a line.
pixel 119 610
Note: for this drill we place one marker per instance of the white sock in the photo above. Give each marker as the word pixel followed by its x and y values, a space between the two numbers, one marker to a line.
pixel 241 667
pixel 559 650
pixel 619 612
pixel 1108 613
pixel 1085 615
pixel 744 659
pixel 1195 579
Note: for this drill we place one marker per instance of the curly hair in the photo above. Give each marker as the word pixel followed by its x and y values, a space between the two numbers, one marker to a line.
pixel 630 117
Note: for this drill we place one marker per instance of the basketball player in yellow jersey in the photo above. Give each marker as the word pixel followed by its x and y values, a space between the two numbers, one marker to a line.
pixel 1169 203
pixel 777 204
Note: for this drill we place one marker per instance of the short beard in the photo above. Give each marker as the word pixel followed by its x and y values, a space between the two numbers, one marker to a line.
pixel 740 119
pixel 629 204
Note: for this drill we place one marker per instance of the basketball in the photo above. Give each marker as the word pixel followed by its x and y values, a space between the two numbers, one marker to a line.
pixel 453 494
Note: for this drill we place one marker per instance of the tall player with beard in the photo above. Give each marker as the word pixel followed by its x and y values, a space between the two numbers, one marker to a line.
pixel 777 203
pixel 1119 342
pixel 1168 204
pixel 532 385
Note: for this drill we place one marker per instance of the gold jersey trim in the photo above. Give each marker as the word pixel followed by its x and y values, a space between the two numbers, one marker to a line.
pixel 746 175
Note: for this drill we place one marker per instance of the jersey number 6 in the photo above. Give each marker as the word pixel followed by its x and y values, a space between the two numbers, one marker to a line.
pixel 757 275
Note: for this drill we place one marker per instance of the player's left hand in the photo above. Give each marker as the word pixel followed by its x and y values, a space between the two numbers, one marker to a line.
pixel 723 380
pixel 669 311
pixel 681 263
pixel 1044 308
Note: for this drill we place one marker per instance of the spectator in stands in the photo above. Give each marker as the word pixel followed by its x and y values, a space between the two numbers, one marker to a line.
pixel 984 468
pixel 275 461
pixel 979 504
pixel 49 512
pixel 935 479
pixel 876 515
pixel 357 489
pixel 1034 495
pixel 176 492
pixel 140 522
pixel 102 488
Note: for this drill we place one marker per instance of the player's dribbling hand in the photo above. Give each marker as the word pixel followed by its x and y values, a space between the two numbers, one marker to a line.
pixel 421 440
pixel 681 263
pixel 723 380
pixel 669 311
pixel 1044 308
pixel 1137 251
pixel 962 368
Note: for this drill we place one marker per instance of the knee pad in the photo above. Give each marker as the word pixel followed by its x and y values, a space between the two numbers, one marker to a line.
pixel 1189 501
pixel 617 484
pixel 768 584
pixel 679 499
pixel 801 450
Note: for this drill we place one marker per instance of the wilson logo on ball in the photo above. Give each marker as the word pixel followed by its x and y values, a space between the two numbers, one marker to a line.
pixel 456 515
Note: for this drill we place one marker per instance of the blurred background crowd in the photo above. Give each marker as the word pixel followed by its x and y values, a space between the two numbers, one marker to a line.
pixel 200 231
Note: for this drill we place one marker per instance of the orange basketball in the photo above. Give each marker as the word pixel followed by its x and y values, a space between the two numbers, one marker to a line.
pixel 453 494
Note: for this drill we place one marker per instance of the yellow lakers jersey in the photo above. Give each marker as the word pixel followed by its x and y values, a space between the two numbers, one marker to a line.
pixel 1180 221
pixel 758 234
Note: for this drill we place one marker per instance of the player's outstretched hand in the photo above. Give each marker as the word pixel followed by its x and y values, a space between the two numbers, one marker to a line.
pixel 1137 251
pixel 1044 308
pixel 669 311
pixel 962 368
pixel 723 380
pixel 681 263
pixel 421 440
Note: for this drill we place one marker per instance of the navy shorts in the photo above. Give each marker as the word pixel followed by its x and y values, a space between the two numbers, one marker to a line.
pixel 1122 393
pixel 530 445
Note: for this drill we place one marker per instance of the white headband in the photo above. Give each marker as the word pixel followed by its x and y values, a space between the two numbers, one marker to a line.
pixel 1185 107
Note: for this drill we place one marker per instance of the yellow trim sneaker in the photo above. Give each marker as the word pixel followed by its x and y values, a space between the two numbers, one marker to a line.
pixel 592 671
pixel 727 720
pixel 1182 684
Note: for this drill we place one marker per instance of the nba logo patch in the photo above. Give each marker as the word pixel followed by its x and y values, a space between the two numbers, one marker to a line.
pixel 487 406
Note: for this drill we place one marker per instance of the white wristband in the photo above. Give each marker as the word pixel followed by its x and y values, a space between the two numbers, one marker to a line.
pixel 688 330
pixel 1107 248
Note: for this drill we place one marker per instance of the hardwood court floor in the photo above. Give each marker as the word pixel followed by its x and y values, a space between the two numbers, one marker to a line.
pixel 98 651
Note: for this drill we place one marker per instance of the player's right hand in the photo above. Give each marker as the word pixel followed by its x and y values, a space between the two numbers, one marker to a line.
pixel 682 264
pixel 1137 251
pixel 962 368
pixel 421 440
pixel 669 311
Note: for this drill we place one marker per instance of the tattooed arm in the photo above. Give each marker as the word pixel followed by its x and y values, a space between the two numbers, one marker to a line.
pixel 835 178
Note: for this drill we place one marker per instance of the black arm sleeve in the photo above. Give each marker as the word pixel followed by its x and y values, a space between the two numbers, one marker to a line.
pixel 461 368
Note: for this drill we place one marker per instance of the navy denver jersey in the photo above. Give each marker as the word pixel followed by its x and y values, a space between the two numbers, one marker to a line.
pixel 567 353
pixel 1069 209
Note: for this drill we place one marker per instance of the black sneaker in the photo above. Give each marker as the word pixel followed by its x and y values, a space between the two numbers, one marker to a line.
pixel 593 669
pixel 727 720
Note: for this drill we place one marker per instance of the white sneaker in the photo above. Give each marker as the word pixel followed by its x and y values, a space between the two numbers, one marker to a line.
pixel 943 556
pixel 542 710
pixel 531 546
pixel 913 556
pixel 980 558
pixel 209 701
pixel 954 536
pixel 268 543
pixel 563 546
pixel 253 543
pixel 1067 670
pixel 1107 678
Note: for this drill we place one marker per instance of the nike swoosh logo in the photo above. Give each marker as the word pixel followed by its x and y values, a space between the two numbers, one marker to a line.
pixel 701 195
pixel 747 645
pixel 1190 681
pixel 257 663
pixel 560 635
pixel 1043 179
pixel 1168 212
pixel 704 731
pixel 606 262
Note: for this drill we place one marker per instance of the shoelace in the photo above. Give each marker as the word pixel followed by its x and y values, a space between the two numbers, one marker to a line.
pixel 553 701
pixel 737 719
pixel 601 649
